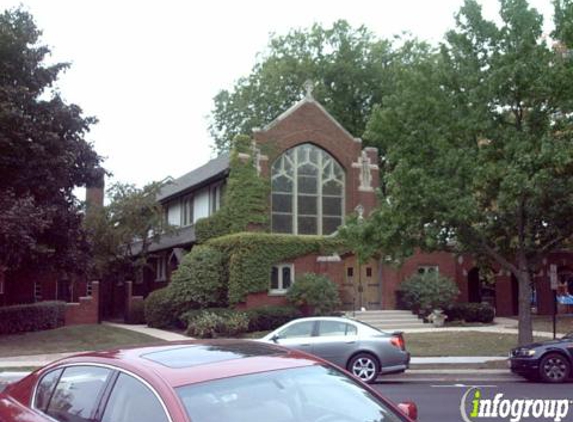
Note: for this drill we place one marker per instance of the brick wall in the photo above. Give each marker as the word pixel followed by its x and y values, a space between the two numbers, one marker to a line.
pixel 86 311
pixel 309 123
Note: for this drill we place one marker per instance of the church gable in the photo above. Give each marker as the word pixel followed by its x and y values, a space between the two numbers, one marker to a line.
pixel 307 121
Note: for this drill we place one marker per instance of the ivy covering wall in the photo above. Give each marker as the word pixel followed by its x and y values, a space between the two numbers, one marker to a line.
pixel 239 233
pixel 245 205
pixel 251 256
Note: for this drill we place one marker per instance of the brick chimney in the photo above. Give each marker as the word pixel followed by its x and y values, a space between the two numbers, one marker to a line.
pixel 95 191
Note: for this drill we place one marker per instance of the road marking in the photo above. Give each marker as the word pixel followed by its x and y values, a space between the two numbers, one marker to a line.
pixel 463 386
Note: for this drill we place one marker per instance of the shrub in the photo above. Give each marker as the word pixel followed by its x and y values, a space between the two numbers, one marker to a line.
pixel 426 292
pixel 190 315
pixel 160 309
pixel 200 280
pixel 33 317
pixel 316 293
pixel 471 312
pixel 136 313
pixel 270 317
pixel 207 324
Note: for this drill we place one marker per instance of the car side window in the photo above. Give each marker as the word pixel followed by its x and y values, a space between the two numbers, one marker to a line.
pixel 297 330
pixel 336 328
pixel 45 389
pixel 77 393
pixel 132 401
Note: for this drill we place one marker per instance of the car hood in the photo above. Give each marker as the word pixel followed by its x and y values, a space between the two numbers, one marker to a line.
pixel 548 343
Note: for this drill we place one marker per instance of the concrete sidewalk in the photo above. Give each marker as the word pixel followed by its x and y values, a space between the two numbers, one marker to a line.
pixel 41 360
pixel 452 360
pixel 152 332
pixel 501 326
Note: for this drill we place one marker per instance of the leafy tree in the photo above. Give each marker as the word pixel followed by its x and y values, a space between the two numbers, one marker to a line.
pixel 123 231
pixel 478 146
pixel 347 65
pixel 43 156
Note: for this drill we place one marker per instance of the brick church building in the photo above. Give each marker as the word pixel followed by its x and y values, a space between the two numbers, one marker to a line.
pixel 319 174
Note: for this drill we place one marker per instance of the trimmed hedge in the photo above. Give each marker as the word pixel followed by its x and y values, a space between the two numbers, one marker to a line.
pixel 34 317
pixel 251 256
pixel 200 280
pixel 470 312
pixel 161 311
pixel 314 292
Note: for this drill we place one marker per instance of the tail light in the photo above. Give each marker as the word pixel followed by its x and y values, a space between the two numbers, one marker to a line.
pixel 397 340
pixel 410 409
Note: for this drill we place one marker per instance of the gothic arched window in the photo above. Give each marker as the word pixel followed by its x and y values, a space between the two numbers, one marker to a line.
pixel 307 192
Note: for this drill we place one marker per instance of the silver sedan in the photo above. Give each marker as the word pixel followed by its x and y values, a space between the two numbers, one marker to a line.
pixel 363 350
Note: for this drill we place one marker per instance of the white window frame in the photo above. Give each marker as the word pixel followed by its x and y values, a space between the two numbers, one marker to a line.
pixel 215 195
pixel 323 160
pixel 281 290
pixel 89 289
pixel 187 210
pixel 160 268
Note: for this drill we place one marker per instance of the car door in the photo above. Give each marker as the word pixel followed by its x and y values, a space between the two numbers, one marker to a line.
pixel 335 341
pixel 131 400
pixel 71 394
pixel 298 335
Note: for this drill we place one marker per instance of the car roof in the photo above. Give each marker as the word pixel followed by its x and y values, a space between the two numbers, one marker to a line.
pixel 188 362
pixel 340 319
pixel 325 318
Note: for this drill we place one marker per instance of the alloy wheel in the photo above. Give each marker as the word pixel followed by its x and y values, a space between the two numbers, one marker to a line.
pixel 364 368
pixel 555 368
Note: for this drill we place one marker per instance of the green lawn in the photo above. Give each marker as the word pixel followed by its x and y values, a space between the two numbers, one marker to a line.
pixel 545 323
pixel 467 343
pixel 74 338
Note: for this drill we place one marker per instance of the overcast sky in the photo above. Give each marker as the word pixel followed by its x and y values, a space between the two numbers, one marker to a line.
pixel 148 70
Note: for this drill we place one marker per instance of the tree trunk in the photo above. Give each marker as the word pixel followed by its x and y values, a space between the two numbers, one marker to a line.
pixel 525 327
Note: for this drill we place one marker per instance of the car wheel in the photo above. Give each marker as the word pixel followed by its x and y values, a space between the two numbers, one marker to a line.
pixel 554 368
pixel 364 366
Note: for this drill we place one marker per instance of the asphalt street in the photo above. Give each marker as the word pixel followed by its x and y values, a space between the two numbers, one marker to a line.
pixel 439 401
pixel 439 397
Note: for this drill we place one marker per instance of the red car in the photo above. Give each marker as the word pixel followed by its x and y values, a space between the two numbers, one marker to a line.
pixel 214 381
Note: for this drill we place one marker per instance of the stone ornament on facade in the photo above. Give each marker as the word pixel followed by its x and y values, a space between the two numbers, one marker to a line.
pixel 365 176
pixel 308 87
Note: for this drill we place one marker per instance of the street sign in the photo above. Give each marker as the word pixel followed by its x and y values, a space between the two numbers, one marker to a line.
pixel 553 280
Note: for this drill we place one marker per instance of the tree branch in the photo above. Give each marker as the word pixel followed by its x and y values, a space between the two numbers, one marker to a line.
pixel 488 250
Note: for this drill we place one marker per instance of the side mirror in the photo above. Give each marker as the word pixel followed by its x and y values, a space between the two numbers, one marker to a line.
pixel 410 409
pixel 275 338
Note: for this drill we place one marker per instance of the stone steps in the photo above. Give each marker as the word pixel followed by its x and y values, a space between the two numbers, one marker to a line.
pixel 389 320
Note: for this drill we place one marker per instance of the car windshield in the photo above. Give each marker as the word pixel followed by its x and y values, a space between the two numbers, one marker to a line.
pixel 309 394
